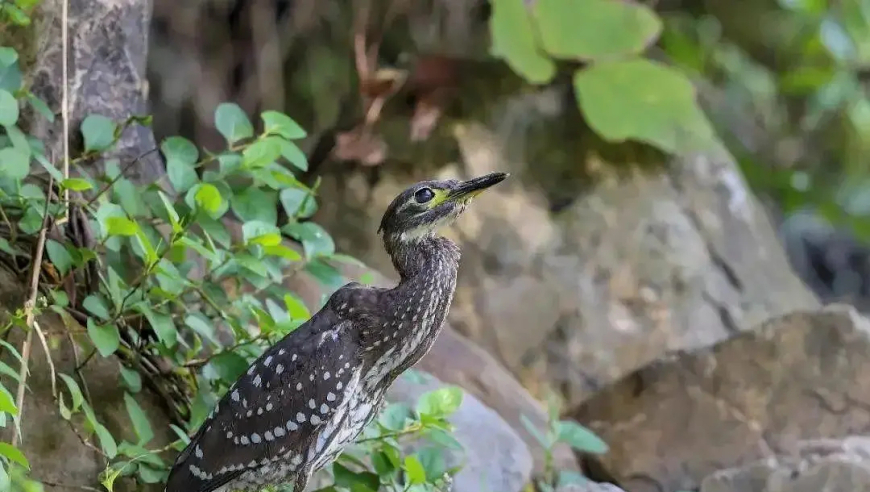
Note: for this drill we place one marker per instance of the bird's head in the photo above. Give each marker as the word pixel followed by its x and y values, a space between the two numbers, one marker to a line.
pixel 424 207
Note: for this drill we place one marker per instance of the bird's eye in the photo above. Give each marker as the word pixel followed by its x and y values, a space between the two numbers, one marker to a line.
pixel 423 195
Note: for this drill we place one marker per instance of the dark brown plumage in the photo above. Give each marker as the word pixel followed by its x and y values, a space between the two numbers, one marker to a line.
pixel 311 394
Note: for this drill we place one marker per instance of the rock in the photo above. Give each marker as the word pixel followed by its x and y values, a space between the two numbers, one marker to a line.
pixel 495 458
pixel 674 422
pixel 831 465
pixel 635 264
pixel 590 487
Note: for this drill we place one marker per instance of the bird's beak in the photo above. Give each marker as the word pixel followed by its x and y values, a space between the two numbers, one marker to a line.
pixel 473 187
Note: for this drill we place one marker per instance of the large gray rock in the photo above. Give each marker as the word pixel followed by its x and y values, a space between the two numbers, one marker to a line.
pixel 495 458
pixel 794 378
pixel 590 487
pixel 829 465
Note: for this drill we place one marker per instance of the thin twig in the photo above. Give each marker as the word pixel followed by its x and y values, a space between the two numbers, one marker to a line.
pixel 68 486
pixel 64 41
pixel 119 176
pixel 30 315
pixel 48 358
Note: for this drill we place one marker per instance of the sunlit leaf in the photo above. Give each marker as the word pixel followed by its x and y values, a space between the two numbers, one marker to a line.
pixel 441 402
pixel 414 469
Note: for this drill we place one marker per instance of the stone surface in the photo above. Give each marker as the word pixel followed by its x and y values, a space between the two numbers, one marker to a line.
pixel 797 377
pixel 495 458
pixel 640 263
pixel 829 465
pixel 590 487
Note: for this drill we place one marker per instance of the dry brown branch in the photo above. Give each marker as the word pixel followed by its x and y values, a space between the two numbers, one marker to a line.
pixel 30 316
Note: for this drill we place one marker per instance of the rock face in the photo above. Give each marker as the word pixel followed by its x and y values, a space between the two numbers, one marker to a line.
pixel 760 394
pixel 496 458
pixel 642 263
pixel 831 465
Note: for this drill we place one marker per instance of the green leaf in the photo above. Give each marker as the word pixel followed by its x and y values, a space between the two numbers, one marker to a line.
pixel 209 199
pixel 106 337
pixel 141 426
pixel 229 365
pixel 514 41
pixel 315 240
pixel 7 404
pixel 13 454
pixel 76 184
pixel 40 106
pixel 162 324
pixel 275 123
pixel 201 326
pixel 98 131
pixel 14 163
pixel 256 232
pixel 181 157
pixel 441 402
pixel 121 226
pixel 661 111
pixel 132 379
pixel 8 109
pixel 580 438
pixel 296 308
pixel 75 392
pixel 298 203
pixel 294 155
pixel 107 442
pixel 261 153
pixel 595 29
pixel 395 416
pixel 232 122
pixel 59 256
pixel 256 204
pixel 10 72
pixel 347 478
pixel 414 469
pixel 283 252
pixel 95 305
pixel 433 462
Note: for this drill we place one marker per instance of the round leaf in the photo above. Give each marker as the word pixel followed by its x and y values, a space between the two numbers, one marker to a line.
pixel 181 156
pixel 441 402
pixel 298 203
pixel 59 256
pixel 232 122
pixel 106 338
pixel 661 111
pixel 595 29
pixel 209 199
pixel 315 240
pixel 294 155
pixel 10 72
pixel 14 163
pixel 262 153
pixel 256 232
pixel 513 39
pixel 8 108
pixel 280 124
pixel 98 131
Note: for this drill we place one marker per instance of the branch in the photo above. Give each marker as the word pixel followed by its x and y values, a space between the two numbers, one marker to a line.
pixel 30 317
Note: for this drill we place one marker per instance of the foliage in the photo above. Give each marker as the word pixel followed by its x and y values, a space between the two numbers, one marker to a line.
pixel 608 37
pixel 162 285
pixel 566 432
pixel 796 112
pixel 17 12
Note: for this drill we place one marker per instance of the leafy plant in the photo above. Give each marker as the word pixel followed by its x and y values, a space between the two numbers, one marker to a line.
pixel 160 283
pixel 568 432
pixel 608 37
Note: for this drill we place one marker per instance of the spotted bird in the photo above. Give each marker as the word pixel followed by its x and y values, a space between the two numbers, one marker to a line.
pixel 312 393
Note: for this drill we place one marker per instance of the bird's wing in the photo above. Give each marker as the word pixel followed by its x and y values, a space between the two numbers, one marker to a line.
pixel 273 413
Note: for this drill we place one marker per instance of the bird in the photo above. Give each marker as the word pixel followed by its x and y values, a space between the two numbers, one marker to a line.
pixel 310 395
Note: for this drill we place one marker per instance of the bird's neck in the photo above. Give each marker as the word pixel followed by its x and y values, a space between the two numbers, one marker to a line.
pixel 427 255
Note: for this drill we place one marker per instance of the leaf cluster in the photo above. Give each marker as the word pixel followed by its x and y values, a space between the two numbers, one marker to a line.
pixel 161 283
pixel 622 95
